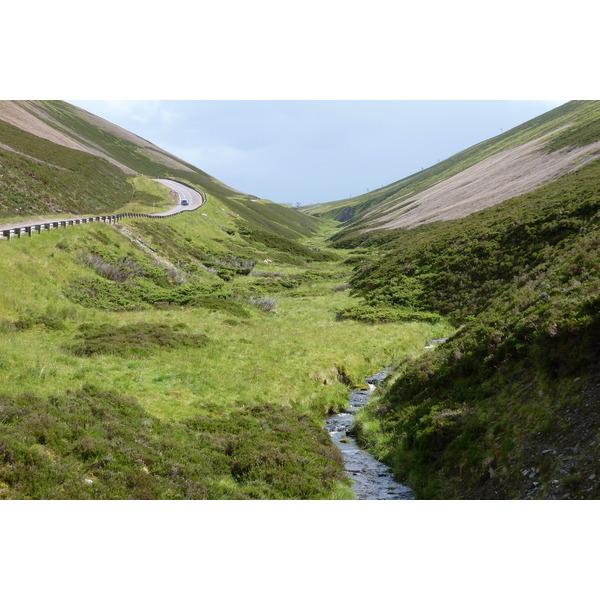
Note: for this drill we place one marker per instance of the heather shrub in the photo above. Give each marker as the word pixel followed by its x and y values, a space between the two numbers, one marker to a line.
pixel 133 339
pixel 265 304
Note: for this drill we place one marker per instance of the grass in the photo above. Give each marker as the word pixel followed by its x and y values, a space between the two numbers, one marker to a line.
pixel 45 178
pixel 236 393
pixel 148 197
pixel 137 339
pixel 188 358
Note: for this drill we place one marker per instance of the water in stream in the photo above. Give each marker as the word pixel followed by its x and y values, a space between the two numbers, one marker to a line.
pixel 372 479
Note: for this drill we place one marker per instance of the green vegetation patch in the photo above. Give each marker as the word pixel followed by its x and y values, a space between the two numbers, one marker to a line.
pixel 276 448
pixel 133 339
pixel 385 314
pixel 455 267
pixel 41 177
pixel 94 444
pixel 143 294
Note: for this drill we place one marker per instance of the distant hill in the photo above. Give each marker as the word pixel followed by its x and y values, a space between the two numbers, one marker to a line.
pixel 516 162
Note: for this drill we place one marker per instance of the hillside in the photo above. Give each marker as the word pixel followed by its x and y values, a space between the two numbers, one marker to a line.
pixel 508 165
pixel 59 159
pixel 509 405
pixel 193 357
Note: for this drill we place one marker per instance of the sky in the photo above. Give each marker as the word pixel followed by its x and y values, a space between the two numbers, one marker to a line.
pixel 310 151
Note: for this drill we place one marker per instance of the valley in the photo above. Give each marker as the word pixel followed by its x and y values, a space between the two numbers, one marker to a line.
pixel 198 356
pixel 240 367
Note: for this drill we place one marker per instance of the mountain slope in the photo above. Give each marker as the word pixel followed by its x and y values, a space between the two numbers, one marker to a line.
pixel 509 405
pixel 518 161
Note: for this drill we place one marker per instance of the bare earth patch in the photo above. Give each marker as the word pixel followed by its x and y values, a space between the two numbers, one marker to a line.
pixel 505 175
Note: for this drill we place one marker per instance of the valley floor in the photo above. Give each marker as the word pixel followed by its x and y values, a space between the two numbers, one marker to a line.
pixel 124 377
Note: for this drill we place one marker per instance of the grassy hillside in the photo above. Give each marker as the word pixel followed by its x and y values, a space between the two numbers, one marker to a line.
pixel 193 370
pixel 581 123
pixel 131 151
pixel 40 177
pixel 509 406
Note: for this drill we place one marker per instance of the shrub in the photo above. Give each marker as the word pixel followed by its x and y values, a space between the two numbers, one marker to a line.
pixel 104 268
pixel 265 304
pixel 95 444
pixel 384 314
pixel 136 338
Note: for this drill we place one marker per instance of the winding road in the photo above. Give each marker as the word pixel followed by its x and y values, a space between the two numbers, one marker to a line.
pixel 195 199
pixel 18 228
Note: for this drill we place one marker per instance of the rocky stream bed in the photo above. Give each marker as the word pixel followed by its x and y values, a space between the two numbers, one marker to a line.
pixel 372 479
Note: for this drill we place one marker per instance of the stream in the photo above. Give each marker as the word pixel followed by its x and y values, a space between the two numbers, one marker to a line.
pixel 372 479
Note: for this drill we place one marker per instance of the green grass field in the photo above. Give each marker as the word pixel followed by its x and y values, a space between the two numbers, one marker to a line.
pixel 197 361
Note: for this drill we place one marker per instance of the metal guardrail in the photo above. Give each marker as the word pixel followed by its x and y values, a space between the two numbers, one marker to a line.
pixel 29 230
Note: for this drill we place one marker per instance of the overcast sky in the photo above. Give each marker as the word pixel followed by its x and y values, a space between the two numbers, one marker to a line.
pixel 306 152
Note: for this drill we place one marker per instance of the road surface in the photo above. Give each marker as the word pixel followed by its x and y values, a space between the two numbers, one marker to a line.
pixel 194 198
